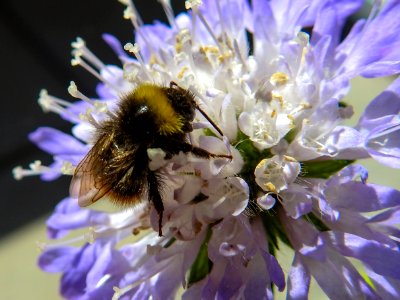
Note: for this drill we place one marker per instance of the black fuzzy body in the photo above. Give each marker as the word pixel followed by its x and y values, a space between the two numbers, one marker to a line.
pixel 118 164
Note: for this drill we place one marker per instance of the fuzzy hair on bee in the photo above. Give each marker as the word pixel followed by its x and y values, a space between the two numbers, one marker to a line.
pixel 117 166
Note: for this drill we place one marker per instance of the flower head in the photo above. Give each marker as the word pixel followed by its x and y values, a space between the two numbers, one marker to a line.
pixel 276 93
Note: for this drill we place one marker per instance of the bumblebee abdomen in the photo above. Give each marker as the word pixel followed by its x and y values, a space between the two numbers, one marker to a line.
pixel 127 176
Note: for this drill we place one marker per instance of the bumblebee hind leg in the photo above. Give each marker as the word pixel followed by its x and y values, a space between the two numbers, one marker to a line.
pixel 154 195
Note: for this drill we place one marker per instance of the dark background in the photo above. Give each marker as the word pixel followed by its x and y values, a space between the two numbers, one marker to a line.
pixel 35 53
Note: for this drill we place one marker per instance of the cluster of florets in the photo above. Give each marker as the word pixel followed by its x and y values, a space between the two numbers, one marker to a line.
pixel 276 93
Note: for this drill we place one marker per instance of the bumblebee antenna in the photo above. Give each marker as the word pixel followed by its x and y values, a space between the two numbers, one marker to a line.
pixel 174 84
pixel 209 120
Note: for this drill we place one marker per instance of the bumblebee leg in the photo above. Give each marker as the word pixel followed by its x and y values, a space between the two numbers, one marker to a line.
pixel 155 197
pixel 200 152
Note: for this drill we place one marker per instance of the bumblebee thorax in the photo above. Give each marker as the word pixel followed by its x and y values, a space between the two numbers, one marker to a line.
pixel 147 106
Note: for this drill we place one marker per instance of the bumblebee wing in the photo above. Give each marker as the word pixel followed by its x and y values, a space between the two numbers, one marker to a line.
pixel 85 184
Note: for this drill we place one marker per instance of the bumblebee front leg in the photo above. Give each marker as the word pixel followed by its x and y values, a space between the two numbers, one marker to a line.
pixel 200 152
pixel 155 197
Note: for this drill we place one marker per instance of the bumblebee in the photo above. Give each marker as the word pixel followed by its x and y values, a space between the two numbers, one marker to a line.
pixel 117 166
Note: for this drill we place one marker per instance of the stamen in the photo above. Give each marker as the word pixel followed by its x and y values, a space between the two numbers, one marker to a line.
pixel 224 34
pixel 190 4
pixel 90 236
pixel 279 79
pixel 194 4
pixel 40 246
pixel 133 10
pixel 52 104
pixel 74 92
pixel 36 168
pixel 77 60
pixel 134 49
pixel 203 20
pixel 88 117
pixel 289 158
pixel 81 50
pixel 239 55
pixel 166 4
pixel 67 168
pixel 132 14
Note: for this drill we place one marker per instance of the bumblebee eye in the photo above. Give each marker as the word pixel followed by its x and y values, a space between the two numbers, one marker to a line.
pixel 142 110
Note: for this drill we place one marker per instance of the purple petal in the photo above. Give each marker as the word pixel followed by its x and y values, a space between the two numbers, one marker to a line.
pixel 73 111
pixel 58 259
pixel 156 35
pixel 56 142
pixel 258 280
pixel 384 141
pixel 54 172
pixel 348 142
pixel 387 288
pixel 298 280
pixel 349 173
pixel 364 198
pixel 304 237
pixel 110 263
pixel 291 14
pixel 195 290
pixel 263 16
pixel 235 13
pixel 357 224
pixel 274 269
pixel 114 44
pixel 58 223
pixel 390 218
pixel 231 282
pixel 338 278
pixel 73 281
pixel 330 21
pixel 378 257
pixel 381 38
